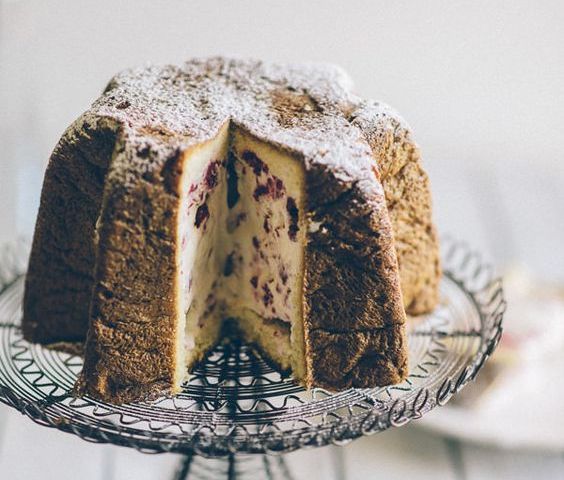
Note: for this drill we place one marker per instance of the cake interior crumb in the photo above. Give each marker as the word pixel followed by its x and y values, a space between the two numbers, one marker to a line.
pixel 242 239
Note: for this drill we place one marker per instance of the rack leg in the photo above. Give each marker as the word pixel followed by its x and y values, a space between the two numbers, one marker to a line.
pixel 184 468
pixel 252 467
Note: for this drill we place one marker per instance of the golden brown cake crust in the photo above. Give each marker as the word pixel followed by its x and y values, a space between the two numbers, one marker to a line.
pixel 59 278
pixel 354 321
pixel 355 335
pixel 130 345
pixel 409 204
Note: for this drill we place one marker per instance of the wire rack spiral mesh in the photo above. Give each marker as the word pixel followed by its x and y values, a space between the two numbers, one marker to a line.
pixel 235 402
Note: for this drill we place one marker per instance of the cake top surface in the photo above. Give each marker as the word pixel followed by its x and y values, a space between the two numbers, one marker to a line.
pixel 306 109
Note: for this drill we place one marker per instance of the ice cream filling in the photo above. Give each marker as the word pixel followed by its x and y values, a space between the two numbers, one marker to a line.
pixel 242 238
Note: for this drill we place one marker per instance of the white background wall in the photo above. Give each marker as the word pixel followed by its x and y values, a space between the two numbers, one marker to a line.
pixel 476 78
pixel 481 83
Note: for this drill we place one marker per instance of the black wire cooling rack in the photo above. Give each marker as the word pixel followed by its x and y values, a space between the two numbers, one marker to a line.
pixel 235 403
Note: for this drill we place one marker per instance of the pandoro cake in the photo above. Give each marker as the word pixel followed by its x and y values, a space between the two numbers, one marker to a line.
pixel 219 189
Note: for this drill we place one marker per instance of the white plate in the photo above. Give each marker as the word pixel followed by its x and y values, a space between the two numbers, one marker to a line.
pixel 518 399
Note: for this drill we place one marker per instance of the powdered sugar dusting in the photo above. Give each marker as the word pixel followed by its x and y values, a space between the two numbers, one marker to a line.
pixel 306 109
